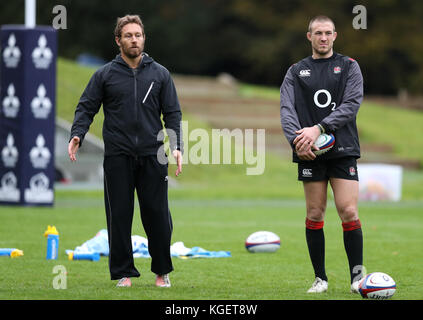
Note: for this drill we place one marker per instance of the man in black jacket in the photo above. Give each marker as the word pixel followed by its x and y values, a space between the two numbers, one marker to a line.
pixel 135 92
pixel 323 93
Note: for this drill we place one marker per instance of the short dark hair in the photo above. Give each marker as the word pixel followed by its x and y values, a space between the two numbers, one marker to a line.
pixel 320 18
pixel 123 21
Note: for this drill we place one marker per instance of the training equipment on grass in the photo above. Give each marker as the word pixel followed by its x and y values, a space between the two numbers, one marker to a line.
pixel 377 285
pixel 10 252
pixel 324 142
pixel 100 245
pixel 52 242
pixel 262 241
pixel 95 256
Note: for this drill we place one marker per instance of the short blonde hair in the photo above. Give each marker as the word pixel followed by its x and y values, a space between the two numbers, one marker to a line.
pixel 123 21
pixel 320 18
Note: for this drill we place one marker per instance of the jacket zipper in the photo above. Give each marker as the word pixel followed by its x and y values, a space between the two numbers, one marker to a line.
pixel 134 71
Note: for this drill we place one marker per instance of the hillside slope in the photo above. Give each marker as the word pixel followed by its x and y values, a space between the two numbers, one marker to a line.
pixel 387 135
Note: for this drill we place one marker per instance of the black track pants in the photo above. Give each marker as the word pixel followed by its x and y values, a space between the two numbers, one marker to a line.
pixel 122 176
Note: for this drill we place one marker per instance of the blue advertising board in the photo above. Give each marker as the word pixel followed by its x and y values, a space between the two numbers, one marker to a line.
pixel 27 114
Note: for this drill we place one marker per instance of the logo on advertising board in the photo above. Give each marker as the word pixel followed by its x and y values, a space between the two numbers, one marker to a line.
pixel 38 190
pixel 42 55
pixel 11 103
pixel 41 104
pixel 11 53
pixel 39 154
pixel 8 188
pixel 9 154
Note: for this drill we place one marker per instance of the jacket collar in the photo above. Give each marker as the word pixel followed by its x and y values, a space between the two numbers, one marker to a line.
pixel 146 59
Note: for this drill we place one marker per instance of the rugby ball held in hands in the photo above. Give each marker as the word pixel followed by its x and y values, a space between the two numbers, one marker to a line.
pixel 324 142
pixel 377 285
pixel 262 241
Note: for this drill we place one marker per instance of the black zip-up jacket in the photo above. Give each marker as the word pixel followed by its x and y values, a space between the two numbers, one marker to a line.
pixel 133 102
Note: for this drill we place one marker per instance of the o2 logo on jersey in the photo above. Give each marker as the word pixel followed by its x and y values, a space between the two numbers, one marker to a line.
pixel 328 99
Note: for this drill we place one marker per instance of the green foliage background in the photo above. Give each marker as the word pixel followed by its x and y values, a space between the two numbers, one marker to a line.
pixel 256 41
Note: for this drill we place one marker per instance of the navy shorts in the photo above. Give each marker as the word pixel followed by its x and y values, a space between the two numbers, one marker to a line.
pixel 321 170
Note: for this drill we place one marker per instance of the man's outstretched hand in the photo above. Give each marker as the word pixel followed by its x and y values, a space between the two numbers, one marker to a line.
pixel 73 148
pixel 178 157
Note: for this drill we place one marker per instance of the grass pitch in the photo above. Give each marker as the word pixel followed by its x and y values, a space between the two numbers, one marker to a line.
pixel 392 244
pixel 216 208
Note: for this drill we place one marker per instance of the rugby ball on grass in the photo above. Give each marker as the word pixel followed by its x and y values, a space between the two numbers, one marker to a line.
pixel 262 241
pixel 324 143
pixel 377 285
